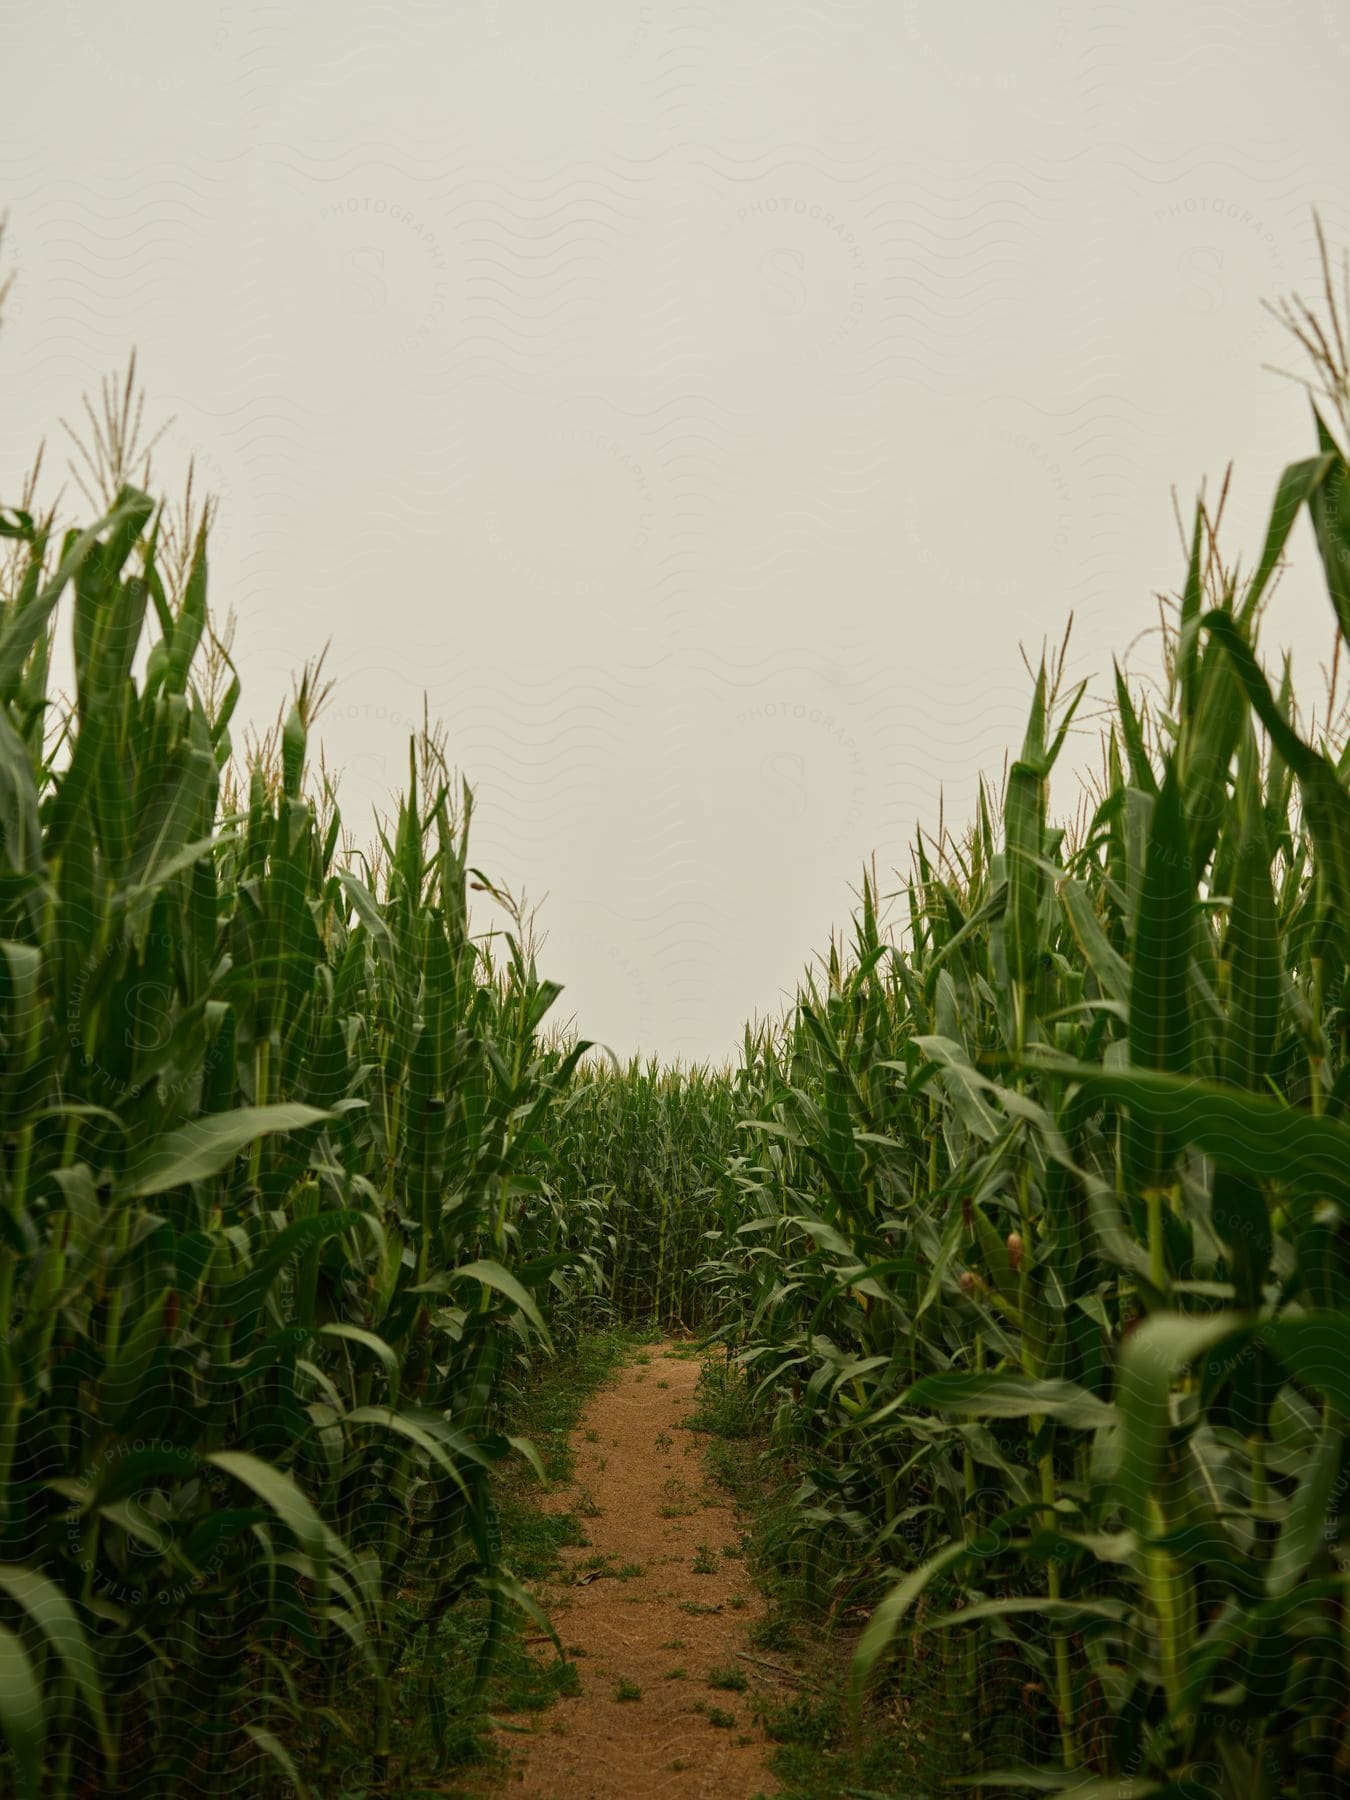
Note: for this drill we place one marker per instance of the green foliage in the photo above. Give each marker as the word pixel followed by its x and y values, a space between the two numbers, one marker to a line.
pixel 276 1220
pixel 729 1677
pixel 1025 1239
pixel 1032 1255
pixel 648 1147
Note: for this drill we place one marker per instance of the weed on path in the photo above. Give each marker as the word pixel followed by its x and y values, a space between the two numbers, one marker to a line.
pixel 656 1610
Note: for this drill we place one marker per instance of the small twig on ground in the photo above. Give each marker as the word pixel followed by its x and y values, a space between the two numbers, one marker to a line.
pixel 789 1675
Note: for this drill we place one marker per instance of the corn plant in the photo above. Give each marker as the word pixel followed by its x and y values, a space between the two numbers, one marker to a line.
pixel 277 1223
pixel 1035 1250
pixel 648 1147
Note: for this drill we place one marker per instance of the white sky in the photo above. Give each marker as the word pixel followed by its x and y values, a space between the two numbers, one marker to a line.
pixel 698 402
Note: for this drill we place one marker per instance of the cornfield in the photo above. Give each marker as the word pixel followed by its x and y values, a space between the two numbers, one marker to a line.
pixel 649 1147
pixel 277 1222
pixel 1036 1246
pixel 1033 1246
pixel 1026 1233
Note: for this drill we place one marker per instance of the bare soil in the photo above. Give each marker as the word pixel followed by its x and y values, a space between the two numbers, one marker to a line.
pixel 648 1505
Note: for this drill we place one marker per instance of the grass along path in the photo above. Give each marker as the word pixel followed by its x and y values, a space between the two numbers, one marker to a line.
pixel 655 1609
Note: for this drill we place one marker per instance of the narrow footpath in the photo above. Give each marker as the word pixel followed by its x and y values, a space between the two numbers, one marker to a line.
pixel 656 1611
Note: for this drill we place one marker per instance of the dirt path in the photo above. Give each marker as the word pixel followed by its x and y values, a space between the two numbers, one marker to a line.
pixel 667 1597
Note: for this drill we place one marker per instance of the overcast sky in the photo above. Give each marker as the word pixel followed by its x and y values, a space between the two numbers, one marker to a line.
pixel 699 403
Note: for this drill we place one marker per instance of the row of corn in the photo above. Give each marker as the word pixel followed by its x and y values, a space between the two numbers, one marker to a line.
pixel 1034 1244
pixel 1028 1236
pixel 1040 1245
pixel 276 1222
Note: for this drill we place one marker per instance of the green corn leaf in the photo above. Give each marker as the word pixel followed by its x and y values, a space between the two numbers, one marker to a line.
pixel 127 1474
pixel 1316 1349
pixel 20 1000
pixel 1306 1524
pixel 356 1334
pixel 125 1376
pixel 505 1584
pixel 371 917
pixel 198 1150
pixel 171 822
pixel 22 1715
pixel 1297 484
pixel 293 743
pixel 1141 769
pixel 1160 1021
pixel 541 1001
pixel 191 621
pixel 880 1630
pixel 294 1241
pixel 54 1616
pixel 1072 1614
pixel 66 809
pixel 272 1747
pixel 1239 1628
pixel 525 1449
pixel 24 624
pixel 160 873
pixel 20 831
pixel 1160 1016
pixel 964 1085
pixel 1153 1356
pixel 1326 799
pixel 1251 1134
pixel 1241 1221
pixel 279 1492
pixel 1105 961
pixel 1329 508
pixel 1252 951
pixel 1188 635
pixel 491 1275
pixel 1010 1396
pixel 1024 823
pixel 1209 739
pixel 447 1448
